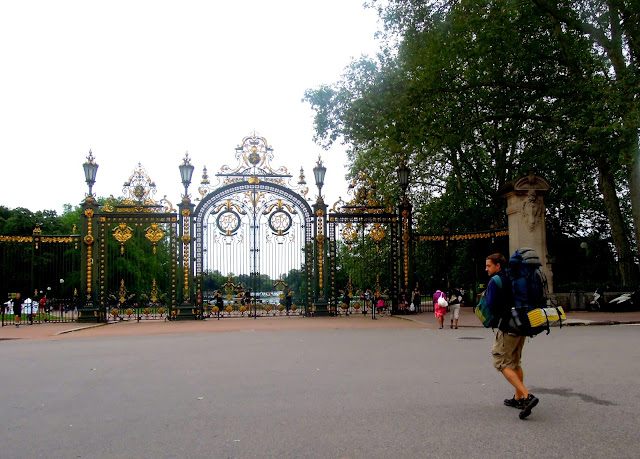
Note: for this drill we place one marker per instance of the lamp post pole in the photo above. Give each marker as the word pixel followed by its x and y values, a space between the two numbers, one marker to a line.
pixel 320 290
pixel 403 172
pixel 88 310
pixel 186 208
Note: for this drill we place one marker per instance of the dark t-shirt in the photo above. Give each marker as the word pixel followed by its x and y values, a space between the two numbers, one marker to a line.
pixel 453 296
pixel 17 306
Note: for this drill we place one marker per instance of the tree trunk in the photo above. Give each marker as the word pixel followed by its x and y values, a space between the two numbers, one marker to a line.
pixel 634 191
pixel 619 230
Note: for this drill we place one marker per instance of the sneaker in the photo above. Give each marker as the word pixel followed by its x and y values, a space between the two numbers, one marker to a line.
pixel 528 403
pixel 514 402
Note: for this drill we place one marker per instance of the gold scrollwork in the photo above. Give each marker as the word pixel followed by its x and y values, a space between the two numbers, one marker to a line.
pixel 122 233
pixel 88 213
pixel 377 234
pixel 154 234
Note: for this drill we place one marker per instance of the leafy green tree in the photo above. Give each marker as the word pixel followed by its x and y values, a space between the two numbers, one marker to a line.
pixel 611 26
pixel 472 94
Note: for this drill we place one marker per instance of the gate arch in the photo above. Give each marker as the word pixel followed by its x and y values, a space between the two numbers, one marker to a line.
pixel 253 231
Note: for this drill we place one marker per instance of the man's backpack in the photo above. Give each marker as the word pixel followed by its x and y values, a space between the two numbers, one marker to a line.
pixel 529 312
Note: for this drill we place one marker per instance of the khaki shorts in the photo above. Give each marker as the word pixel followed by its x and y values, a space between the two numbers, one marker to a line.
pixel 507 351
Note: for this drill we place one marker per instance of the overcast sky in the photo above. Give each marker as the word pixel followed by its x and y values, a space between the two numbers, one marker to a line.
pixel 145 81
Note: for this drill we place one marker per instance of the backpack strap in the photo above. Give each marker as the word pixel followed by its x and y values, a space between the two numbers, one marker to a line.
pixel 497 280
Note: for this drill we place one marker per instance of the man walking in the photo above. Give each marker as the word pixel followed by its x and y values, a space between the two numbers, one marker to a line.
pixel 17 309
pixel 507 347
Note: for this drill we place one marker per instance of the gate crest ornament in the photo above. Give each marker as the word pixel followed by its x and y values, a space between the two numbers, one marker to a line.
pixel 138 192
pixel 253 157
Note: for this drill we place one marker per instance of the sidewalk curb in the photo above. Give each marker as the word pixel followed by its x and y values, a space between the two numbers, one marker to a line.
pixel 601 322
pixel 572 323
pixel 71 330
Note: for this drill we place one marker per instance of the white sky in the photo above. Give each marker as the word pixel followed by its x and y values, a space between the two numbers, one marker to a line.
pixel 145 81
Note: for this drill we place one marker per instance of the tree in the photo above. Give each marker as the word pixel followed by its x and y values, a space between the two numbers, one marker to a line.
pixel 473 94
pixel 612 29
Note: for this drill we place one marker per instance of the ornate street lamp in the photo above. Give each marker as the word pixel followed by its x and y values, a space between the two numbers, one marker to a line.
pixel 319 172
pixel 90 171
pixel 186 172
pixel 403 177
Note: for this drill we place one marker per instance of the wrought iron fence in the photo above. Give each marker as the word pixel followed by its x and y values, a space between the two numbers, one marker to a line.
pixel 54 311
pixel 255 308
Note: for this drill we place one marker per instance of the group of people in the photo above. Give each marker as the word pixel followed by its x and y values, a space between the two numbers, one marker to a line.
pixel 16 303
pixel 441 302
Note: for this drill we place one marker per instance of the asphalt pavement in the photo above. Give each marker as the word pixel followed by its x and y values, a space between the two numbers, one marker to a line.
pixel 345 387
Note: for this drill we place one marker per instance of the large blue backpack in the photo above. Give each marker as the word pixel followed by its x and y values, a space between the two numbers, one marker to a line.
pixel 529 312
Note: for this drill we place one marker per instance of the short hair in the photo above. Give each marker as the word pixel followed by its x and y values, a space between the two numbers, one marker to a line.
pixel 498 259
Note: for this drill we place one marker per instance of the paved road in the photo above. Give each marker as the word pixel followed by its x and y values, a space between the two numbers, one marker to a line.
pixel 406 391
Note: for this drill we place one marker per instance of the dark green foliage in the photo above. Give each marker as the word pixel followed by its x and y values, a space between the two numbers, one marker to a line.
pixel 474 94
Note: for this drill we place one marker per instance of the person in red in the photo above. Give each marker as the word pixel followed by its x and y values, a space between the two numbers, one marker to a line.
pixel 507 347
pixel 439 311
pixel 43 307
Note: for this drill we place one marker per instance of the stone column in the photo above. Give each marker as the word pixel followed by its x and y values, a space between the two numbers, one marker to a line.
pixel 526 217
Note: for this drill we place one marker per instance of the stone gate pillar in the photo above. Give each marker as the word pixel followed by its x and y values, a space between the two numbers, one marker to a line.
pixel 526 217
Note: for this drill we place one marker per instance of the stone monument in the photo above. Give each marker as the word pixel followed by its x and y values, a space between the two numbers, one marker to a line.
pixel 525 213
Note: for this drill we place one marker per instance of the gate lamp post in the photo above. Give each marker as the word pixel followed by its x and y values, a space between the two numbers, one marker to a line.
pixel 319 172
pixel 90 170
pixel 403 177
pixel 186 172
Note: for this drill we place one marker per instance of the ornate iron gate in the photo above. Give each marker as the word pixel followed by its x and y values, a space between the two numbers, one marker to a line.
pixel 45 269
pixel 365 254
pixel 252 238
pixel 132 242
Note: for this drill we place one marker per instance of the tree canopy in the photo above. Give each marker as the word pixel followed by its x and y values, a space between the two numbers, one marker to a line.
pixel 472 94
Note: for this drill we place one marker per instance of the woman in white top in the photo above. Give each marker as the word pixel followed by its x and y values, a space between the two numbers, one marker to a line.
pixel 455 298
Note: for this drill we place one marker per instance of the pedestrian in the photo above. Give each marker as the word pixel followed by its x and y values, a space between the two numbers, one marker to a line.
pixel 17 309
pixel 43 308
pixel 455 300
pixel 440 307
pixel 416 300
pixel 346 301
pixel 247 297
pixel 507 347
pixel 402 302
pixel 219 300
pixel 288 300
pixel 380 305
